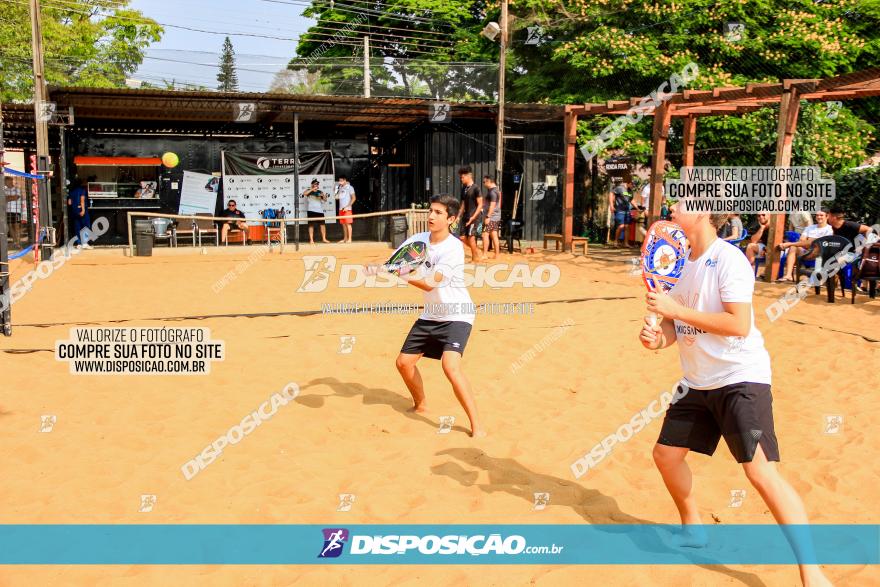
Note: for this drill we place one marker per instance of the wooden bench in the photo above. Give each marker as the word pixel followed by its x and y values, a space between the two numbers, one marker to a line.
pixel 576 241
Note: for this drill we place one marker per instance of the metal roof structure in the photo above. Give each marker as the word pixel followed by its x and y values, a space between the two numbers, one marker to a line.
pixel 740 100
pixel 171 105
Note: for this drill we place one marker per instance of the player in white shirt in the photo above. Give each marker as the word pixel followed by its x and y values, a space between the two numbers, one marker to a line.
pixel 727 377
pixel 443 329
pixel 808 235
pixel 346 197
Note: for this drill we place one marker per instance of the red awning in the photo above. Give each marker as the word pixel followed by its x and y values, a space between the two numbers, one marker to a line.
pixel 118 161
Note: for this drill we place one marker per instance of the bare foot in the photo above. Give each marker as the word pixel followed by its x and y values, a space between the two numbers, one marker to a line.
pixel 325 240
pixel 419 409
pixel 342 241
pixel 691 536
pixel 478 433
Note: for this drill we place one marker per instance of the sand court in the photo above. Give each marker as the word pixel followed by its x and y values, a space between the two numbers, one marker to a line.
pixel 550 384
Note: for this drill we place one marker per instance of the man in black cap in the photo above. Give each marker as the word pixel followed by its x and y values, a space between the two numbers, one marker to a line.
pixel 315 199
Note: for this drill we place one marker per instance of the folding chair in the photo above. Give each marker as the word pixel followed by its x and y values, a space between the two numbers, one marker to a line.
pixel 187 232
pixel 206 226
pixel 822 250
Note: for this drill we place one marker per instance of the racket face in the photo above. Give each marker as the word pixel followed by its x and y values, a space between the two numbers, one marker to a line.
pixel 407 257
pixel 664 252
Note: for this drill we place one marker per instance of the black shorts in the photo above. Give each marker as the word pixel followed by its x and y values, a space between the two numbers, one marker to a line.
pixel 431 338
pixel 314 215
pixel 741 412
pixel 475 228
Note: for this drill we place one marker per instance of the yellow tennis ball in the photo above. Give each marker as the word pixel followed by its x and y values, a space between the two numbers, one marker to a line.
pixel 170 160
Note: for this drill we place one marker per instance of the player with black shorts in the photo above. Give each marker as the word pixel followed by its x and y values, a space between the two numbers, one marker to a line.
pixel 443 329
pixel 471 213
pixel 726 383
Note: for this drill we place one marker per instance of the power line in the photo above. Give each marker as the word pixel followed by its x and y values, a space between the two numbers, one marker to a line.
pixel 340 7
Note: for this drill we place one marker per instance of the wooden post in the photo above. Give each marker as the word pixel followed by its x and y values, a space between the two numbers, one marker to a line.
pixel 690 139
pixel 789 106
pixel 570 140
pixel 662 117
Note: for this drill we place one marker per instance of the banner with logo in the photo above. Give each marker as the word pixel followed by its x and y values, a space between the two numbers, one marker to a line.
pixel 262 181
pixel 411 544
pixel 198 193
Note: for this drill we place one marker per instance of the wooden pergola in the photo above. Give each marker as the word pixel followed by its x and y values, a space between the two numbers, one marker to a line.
pixel 693 104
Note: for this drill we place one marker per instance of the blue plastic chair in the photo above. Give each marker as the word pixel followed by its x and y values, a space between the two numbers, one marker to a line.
pixel 742 237
pixel 790 237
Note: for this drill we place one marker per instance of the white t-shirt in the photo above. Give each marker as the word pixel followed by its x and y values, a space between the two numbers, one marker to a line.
pixel 449 301
pixel 710 361
pixel 314 203
pixel 344 194
pixel 800 220
pixel 813 231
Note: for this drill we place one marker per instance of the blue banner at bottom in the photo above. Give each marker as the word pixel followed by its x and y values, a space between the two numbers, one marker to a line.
pixel 182 544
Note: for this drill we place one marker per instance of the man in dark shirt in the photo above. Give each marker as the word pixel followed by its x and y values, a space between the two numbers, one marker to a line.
pixel 232 211
pixel 470 218
pixel 491 217
pixel 758 233
pixel 78 202
pixel 846 228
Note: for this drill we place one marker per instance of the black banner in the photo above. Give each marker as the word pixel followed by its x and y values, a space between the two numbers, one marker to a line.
pixel 310 163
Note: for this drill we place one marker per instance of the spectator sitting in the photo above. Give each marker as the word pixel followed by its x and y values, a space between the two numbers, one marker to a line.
pixel 732 229
pixel 758 233
pixel 846 228
pixel 800 221
pixel 232 211
pixel 809 234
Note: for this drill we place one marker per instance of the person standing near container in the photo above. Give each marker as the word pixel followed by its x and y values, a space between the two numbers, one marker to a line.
pixel 78 202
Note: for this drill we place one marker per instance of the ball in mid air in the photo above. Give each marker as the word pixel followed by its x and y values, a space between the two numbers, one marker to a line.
pixel 170 160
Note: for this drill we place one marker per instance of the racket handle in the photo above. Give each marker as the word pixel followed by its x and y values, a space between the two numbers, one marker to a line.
pixel 652 320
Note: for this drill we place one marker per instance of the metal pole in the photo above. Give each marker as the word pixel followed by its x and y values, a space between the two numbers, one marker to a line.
pixel 366 66
pixel 40 123
pixel 62 183
pixel 296 178
pixel 5 304
pixel 499 154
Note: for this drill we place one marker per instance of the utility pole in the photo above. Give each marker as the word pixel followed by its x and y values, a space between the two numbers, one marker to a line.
pixel 499 154
pixel 366 66
pixel 5 302
pixel 42 127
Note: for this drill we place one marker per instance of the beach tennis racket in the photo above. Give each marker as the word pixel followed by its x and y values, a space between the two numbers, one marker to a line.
pixel 664 251
pixel 407 258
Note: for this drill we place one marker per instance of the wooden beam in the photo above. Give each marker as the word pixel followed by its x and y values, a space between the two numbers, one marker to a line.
pixel 690 139
pixel 570 139
pixel 789 108
pixel 662 117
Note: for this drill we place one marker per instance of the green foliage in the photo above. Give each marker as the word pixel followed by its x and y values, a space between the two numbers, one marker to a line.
pixel 615 49
pixel 226 76
pixel 404 52
pixel 95 43
pixel 858 191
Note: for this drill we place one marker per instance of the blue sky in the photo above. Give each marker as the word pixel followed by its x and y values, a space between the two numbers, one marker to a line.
pixel 257 58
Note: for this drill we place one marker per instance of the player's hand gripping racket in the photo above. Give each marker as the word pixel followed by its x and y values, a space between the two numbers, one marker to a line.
pixel 407 258
pixel 663 255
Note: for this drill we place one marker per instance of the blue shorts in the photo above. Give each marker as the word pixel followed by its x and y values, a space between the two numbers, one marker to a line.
pixel 622 218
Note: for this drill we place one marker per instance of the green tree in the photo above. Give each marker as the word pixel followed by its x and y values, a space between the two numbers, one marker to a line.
pixel 600 50
pixel 227 77
pixel 96 43
pixel 407 39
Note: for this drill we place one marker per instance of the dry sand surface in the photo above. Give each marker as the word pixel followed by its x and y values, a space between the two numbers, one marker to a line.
pixel 118 437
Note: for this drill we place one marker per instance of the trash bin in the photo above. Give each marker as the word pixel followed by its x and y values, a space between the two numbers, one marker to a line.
pixel 143 244
pixel 398 231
